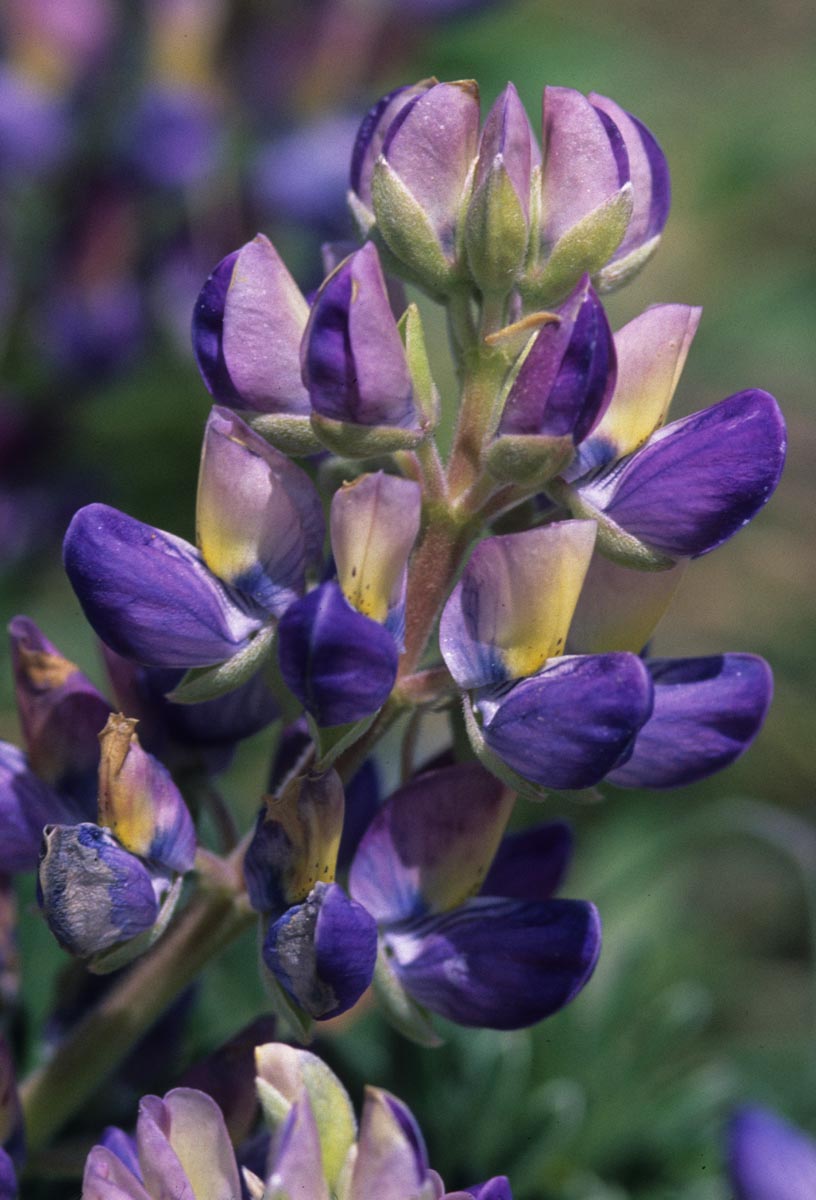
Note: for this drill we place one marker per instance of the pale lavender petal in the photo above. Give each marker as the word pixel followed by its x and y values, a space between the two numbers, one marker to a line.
pixel 296 1167
pixel 247 326
pixel 431 145
pixel 585 161
pixel 507 132
pixel 107 1178
pixel 371 135
pixel 707 712
pixel 391 1162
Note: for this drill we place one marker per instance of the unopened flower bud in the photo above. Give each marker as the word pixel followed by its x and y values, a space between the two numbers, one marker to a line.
pixel 498 216
pixel 295 843
pixel 139 802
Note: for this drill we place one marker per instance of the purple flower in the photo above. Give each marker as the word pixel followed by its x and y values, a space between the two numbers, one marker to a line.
pixel 768 1158
pixel 247 327
pixel 558 722
pixel 322 952
pixel 468 926
pixel 154 598
pixel 353 359
pixel 562 386
pixel 680 491
pixel 174 139
pixel 340 664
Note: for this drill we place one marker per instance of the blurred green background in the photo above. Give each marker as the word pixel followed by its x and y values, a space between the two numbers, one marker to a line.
pixel 706 991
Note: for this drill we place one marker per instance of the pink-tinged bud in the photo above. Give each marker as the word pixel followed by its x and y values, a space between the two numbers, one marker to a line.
pixel 139 802
pixel 374 524
pixel 247 326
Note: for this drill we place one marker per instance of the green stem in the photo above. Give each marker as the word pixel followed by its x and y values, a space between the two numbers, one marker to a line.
pixel 103 1038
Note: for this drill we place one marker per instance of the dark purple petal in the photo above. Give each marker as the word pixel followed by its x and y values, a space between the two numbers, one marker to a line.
pixel 340 664
pixel 149 595
pixel 707 711
pixel 27 805
pixel 568 726
pixel 353 359
pixel 363 794
pixel 699 480
pixel 769 1159
pixel 502 964
pixel 567 379
pixel 430 845
pixel 61 715
pixel 93 893
pixel 531 864
pixel 209 729
pixel 497 1188
pixel 208 332
pixel 322 952
pixel 8 1177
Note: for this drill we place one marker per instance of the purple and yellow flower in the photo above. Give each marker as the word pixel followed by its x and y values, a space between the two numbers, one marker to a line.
pixel 156 599
pixel 467 924
pixel 663 494
pixel 316 1149
pixel 111 886
pixel 338 646
pixel 557 721
pixel 319 946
